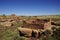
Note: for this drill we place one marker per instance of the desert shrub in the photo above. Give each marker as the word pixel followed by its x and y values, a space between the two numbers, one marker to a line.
pixel 10 33
pixel 56 34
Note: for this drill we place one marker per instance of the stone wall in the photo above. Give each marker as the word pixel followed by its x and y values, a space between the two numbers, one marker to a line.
pixel 37 24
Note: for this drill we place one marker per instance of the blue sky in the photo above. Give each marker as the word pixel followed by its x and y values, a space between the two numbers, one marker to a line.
pixel 30 7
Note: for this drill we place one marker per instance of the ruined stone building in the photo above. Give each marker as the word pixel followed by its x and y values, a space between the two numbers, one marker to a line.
pixel 33 27
pixel 13 16
pixel 37 24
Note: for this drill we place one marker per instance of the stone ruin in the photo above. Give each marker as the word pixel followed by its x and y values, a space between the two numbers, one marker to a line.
pixel 35 26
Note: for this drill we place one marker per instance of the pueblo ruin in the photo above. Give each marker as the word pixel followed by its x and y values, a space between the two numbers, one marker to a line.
pixel 34 27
